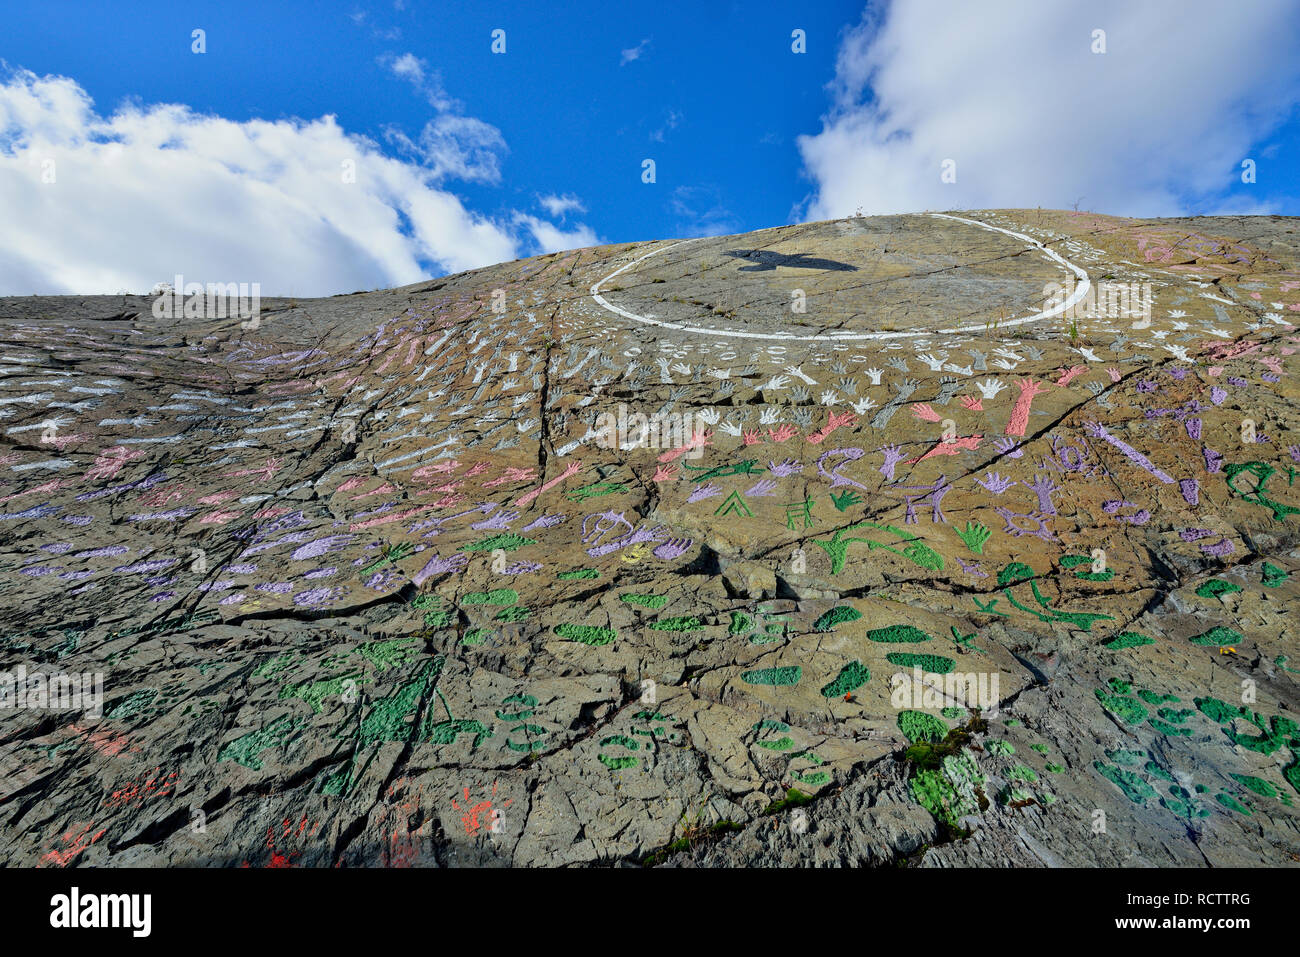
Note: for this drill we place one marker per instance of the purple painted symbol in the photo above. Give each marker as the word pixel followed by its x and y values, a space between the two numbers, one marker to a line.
pixel 934 493
pixel 522 568
pixel 1140 517
pixel 1038 523
pixel 996 483
pixel 639 536
pixel 892 457
pixel 319 597
pixel 1219 549
pixel 440 566
pixel 1098 431
pixel 673 548
pixel 1068 457
pixel 1043 487
pixel 843 456
pixel 605 522
pixel 704 491
pixel 546 521
pixel 320 547
pixel 498 522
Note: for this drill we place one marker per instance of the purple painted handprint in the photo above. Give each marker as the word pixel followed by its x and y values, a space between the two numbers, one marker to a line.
pixel 997 484
pixel 642 534
pixel 546 521
pixel 499 522
pixel 440 566
pixel 319 547
pixel 703 492
pixel 522 568
pixel 788 467
pixel 1009 447
pixel 1043 487
pixel 673 548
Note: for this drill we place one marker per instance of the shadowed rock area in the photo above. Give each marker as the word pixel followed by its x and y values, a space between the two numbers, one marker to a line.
pixel 950 540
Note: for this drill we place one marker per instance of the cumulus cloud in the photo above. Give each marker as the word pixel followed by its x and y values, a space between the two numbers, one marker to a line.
pixel 550 238
pixel 454 147
pixel 1013 94
pixel 558 206
pixel 100 203
pixel 451 145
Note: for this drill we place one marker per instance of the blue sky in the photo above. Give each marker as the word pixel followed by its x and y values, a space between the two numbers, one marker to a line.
pixel 717 82
pixel 744 133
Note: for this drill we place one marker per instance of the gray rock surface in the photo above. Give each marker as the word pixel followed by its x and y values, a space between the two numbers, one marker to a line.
pixel 671 552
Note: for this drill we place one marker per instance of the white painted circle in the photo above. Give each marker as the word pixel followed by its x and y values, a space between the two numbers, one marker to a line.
pixel 1081 291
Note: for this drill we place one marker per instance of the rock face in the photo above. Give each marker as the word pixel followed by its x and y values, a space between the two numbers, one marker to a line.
pixel 959 540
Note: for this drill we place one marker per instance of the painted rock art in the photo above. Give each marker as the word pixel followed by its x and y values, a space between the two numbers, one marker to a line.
pixel 532 564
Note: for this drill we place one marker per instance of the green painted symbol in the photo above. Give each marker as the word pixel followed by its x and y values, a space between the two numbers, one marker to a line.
pixel 733 504
pixel 1262 472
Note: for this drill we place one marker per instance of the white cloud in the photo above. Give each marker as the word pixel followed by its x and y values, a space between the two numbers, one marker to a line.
pixel 455 147
pixel 557 206
pixel 151 191
pixel 1011 91
pixel 426 82
pixel 550 238
pixel 408 66
pixel 450 145
pixel 633 53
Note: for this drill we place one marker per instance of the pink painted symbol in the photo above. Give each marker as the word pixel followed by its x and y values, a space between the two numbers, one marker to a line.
pixel 967 443
pixel 570 471
pixel 833 422
pixel 109 462
pixel 1020 411
pixel 266 470
pixel 697 441
pixel 1068 375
